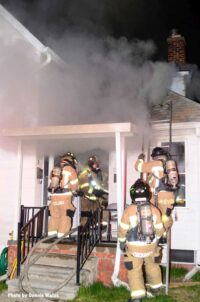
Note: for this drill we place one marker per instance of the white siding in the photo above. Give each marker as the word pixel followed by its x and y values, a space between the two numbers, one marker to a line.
pixel 8 187
pixel 185 231
pixel 31 192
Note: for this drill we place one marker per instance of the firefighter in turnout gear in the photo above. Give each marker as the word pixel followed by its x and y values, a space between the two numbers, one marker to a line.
pixel 92 193
pixel 162 176
pixel 138 233
pixel 64 183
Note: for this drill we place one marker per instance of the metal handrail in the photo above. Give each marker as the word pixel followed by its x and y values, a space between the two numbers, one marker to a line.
pixel 30 232
pixel 88 237
pixel 26 213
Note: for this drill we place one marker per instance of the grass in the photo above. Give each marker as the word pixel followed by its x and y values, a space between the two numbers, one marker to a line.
pixel 3 286
pixel 177 274
pixel 100 293
pixel 184 293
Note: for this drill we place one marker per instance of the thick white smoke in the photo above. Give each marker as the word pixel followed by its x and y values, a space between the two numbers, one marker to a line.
pixel 102 80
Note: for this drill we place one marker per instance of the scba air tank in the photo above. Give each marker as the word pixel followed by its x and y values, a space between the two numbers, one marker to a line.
pixel 146 222
pixel 56 176
pixel 172 173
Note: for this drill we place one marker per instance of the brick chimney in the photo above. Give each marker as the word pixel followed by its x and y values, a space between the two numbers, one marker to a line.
pixel 176 48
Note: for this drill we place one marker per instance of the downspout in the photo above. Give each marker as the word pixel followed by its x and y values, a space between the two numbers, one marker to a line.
pixel 48 57
pixel 169 232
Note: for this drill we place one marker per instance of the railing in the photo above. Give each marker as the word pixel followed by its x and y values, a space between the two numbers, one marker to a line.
pixel 26 213
pixel 34 223
pixel 110 234
pixel 31 228
pixel 88 237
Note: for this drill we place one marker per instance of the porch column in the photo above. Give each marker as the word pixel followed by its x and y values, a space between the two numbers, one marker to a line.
pixel 120 163
pixel 120 169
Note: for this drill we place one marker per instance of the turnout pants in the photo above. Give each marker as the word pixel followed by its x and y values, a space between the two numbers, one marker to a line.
pixel 62 211
pixel 88 207
pixel 134 265
pixel 165 203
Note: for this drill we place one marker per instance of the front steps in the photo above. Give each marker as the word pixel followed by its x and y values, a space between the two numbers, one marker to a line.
pixel 49 272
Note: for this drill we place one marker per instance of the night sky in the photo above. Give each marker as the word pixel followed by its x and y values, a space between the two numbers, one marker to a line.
pixel 134 19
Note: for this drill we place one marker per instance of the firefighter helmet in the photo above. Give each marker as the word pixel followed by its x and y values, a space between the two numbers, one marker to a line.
pixel 140 191
pixel 93 162
pixel 68 158
pixel 158 151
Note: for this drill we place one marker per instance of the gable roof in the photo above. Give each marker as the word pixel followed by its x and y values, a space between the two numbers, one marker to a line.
pixel 183 109
pixel 30 38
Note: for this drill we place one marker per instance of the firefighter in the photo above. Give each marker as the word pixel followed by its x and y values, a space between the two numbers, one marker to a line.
pixel 92 193
pixel 162 176
pixel 64 183
pixel 138 233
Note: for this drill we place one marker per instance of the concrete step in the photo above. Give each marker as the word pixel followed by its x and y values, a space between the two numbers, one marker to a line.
pixel 56 260
pixel 44 289
pixel 60 262
pixel 58 274
pixel 48 272
pixel 51 270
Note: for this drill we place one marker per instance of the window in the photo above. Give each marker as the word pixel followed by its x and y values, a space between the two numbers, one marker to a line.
pixel 178 154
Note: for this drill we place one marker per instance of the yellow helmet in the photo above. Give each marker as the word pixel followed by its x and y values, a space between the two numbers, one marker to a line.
pixel 69 157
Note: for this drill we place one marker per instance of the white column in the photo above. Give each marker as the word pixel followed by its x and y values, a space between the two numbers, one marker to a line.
pixel 19 188
pixel 120 151
pixel 120 163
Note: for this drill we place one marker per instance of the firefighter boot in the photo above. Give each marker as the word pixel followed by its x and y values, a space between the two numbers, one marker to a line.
pixel 155 291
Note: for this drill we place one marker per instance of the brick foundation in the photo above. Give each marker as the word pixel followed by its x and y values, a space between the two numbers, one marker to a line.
pixel 12 255
pixel 104 255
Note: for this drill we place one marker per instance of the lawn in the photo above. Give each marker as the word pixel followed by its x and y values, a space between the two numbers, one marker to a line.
pixel 99 293
pixel 3 286
pixel 178 291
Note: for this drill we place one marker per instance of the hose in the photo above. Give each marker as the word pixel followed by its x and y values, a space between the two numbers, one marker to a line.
pixel 29 262
pixel 4 261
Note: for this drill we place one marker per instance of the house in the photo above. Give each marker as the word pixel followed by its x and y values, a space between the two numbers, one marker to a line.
pixel 27 153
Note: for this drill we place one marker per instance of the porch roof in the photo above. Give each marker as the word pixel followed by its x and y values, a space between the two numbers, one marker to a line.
pixel 70 131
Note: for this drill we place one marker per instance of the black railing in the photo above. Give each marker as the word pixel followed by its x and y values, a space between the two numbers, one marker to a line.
pixel 26 213
pixel 108 233
pixel 88 237
pixel 31 228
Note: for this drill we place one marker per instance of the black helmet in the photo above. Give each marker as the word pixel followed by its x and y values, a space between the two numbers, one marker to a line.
pixel 140 191
pixel 93 160
pixel 158 151
pixel 68 158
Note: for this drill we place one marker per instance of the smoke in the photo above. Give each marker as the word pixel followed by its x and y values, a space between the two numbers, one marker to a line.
pixel 102 80
pixel 17 86
pixel 193 86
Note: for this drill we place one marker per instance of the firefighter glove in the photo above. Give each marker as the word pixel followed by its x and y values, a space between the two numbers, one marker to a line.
pixel 78 193
pixel 141 156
